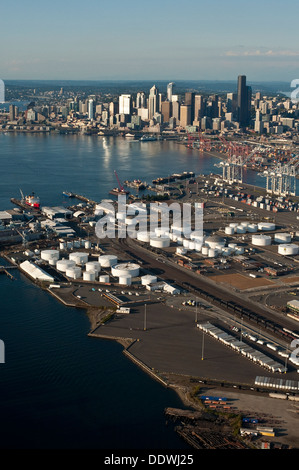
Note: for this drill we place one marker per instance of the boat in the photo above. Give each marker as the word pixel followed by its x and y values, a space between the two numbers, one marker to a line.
pixel 148 138
pixel 32 201
pixel 68 194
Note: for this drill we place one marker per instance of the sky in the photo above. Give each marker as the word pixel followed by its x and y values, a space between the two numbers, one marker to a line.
pixel 149 40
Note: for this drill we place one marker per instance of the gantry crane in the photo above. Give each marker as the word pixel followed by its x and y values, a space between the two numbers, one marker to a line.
pixel 281 179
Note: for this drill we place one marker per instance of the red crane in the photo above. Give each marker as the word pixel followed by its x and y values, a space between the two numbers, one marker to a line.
pixel 121 188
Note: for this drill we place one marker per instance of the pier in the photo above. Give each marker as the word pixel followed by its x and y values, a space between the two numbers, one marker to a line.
pixel 5 270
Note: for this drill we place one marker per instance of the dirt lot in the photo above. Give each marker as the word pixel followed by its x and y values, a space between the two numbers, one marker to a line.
pixel 241 282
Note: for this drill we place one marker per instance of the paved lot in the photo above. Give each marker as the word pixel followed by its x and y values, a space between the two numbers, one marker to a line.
pixel 172 343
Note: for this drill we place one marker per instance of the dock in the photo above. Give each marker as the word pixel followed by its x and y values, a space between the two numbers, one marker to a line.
pixel 5 270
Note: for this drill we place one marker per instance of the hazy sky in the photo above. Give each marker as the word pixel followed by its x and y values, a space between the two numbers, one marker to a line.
pixel 159 40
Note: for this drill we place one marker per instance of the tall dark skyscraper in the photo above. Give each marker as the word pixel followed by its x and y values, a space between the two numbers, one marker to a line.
pixel 190 101
pixel 244 101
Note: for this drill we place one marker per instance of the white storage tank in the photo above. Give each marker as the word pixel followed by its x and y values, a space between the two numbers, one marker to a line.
pixel 266 226
pixel 74 272
pixel 191 245
pixel 212 253
pixel 93 266
pixel 261 240
pixel 198 246
pixel 214 241
pixel 252 228
pixel 282 238
pixel 186 243
pixel 229 230
pixel 106 261
pixel 241 229
pixel 144 236
pixel 104 278
pixel 148 279
pixel 288 249
pixel 205 250
pixel 125 280
pixel 62 246
pixel 160 242
pixel 79 257
pixel 125 269
pixel 233 224
pixel 87 245
pixel 197 236
pixel 89 276
pixel 64 264
pixel 48 255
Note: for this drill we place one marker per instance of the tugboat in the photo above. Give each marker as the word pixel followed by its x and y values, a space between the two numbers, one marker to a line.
pixel 68 194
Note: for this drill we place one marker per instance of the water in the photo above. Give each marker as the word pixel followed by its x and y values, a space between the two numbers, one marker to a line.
pixel 58 387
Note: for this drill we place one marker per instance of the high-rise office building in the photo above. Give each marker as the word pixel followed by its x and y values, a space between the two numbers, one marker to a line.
pixel 90 110
pixel 244 101
pixel 166 110
pixel 125 104
pixel 185 115
pixel 140 100
pixel 190 101
pixel 153 102
pixel 199 107
pixel 170 91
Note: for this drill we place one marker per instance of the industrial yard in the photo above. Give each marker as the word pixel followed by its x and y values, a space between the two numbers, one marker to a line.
pixel 237 277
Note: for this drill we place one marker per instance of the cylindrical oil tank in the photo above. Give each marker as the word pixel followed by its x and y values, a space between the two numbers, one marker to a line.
pixel 62 246
pixel 198 246
pixel 288 249
pixel 197 236
pixel 205 250
pixel 64 264
pixel 125 280
pixel 144 236
pixel 104 278
pixel 148 279
pixel 186 243
pixel 261 240
pixel 93 266
pixel 77 243
pixel 266 226
pixel 229 230
pixel 191 245
pixel 74 272
pixel 212 253
pixel 233 224
pixel 89 276
pixel 125 269
pixel 282 238
pixel 252 228
pixel 48 255
pixel 87 245
pixel 214 240
pixel 79 257
pixel 106 261
pixel 69 245
pixel 241 229
pixel 160 242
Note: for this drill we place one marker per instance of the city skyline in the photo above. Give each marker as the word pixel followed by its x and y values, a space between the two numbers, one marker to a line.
pixel 128 41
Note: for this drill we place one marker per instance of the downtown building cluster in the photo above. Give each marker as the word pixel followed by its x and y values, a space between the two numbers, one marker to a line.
pixel 161 112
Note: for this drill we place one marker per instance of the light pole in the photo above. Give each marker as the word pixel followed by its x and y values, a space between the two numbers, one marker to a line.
pixel 144 318
pixel 202 346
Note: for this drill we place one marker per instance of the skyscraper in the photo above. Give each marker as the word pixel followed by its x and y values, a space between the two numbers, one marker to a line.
pixel 90 110
pixel 244 101
pixel 190 101
pixel 125 104
pixel 170 91
pixel 153 101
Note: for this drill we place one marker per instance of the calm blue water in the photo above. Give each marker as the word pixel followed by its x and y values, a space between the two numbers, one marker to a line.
pixel 58 387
